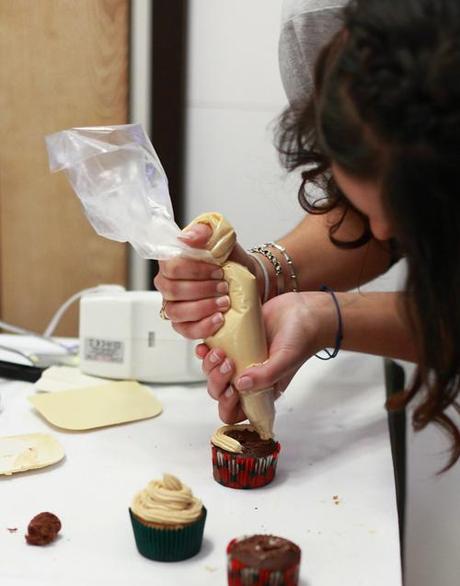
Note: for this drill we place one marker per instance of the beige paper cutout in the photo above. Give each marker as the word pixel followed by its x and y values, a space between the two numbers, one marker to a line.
pixel 63 378
pixel 100 406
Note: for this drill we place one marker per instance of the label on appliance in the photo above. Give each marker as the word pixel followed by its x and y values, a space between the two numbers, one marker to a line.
pixel 101 350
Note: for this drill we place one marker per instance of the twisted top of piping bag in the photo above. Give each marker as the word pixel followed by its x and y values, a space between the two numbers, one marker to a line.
pixel 223 238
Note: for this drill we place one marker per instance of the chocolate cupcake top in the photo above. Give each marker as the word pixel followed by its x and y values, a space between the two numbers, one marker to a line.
pixel 264 551
pixel 242 439
pixel 167 501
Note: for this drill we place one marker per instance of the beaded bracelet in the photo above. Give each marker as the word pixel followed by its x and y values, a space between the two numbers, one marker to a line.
pixel 263 250
pixel 339 336
pixel 293 276
pixel 263 268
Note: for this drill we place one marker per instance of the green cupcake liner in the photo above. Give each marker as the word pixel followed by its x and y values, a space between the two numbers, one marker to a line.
pixel 168 545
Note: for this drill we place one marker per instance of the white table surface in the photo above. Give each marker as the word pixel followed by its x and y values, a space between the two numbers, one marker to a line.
pixel 333 429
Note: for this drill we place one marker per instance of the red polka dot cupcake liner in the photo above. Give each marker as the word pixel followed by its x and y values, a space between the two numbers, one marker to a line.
pixel 238 471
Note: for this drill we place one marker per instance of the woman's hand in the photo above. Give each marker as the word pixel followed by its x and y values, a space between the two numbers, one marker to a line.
pixel 298 325
pixel 195 293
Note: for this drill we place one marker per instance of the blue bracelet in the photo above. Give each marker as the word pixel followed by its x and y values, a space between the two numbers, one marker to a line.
pixel 339 336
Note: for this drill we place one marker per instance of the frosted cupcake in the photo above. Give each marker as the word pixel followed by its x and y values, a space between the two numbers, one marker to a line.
pixel 265 560
pixel 168 521
pixel 241 459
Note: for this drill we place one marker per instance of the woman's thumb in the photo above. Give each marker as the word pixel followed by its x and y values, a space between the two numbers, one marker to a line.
pixel 196 235
pixel 263 376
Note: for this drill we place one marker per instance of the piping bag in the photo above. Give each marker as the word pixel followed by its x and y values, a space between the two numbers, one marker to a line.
pixel 119 179
pixel 242 336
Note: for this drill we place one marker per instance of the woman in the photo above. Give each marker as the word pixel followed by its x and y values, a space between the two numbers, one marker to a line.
pixel 381 136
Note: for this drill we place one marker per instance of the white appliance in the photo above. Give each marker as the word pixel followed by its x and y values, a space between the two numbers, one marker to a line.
pixel 123 337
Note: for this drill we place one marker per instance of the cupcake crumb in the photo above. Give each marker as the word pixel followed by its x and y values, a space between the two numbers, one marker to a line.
pixel 43 529
pixel 210 569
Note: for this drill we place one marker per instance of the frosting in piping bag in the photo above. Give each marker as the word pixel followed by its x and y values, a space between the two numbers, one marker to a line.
pixel 242 336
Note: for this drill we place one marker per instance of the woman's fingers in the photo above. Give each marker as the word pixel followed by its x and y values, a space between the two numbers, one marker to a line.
pixel 195 330
pixel 220 370
pixel 213 359
pixel 275 370
pixel 194 270
pixel 230 408
pixel 186 290
pixel 193 311
pixel 201 350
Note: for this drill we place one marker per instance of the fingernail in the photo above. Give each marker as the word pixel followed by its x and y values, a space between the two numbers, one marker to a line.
pixel 222 287
pixel 214 357
pixel 217 274
pixel 244 383
pixel 223 301
pixel 226 367
pixel 229 392
pixel 189 234
pixel 217 318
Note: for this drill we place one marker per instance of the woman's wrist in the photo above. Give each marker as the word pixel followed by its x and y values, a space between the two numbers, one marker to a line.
pixel 274 269
pixel 323 319
pixel 264 275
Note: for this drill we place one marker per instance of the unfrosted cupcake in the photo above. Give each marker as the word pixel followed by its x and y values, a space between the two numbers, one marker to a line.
pixel 241 459
pixel 265 560
pixel 168 521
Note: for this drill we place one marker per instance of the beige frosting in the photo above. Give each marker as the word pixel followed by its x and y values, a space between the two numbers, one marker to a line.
pixel 230 444
pixel 242 336
pixel 25 452
pixel 167 502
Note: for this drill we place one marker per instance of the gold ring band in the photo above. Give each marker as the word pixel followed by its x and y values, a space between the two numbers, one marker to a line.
pixel 163 313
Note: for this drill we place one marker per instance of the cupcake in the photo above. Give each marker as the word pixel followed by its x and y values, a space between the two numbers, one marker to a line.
pixel 241 459
pixel 265 560
pixel 168 521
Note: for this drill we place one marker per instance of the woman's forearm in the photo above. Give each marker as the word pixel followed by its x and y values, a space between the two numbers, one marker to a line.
pixel 318 261
pixel 374 323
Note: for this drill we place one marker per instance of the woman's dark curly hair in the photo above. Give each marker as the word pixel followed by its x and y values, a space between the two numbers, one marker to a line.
pixel 386 106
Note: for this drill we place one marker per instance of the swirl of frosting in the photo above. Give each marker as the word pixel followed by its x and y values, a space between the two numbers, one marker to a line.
pixel 221 440
pixel 167 501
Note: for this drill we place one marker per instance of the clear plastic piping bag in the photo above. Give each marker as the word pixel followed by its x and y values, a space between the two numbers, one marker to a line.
pixel 118 177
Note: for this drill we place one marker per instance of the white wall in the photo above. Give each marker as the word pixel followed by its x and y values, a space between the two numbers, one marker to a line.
pixel 234 91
